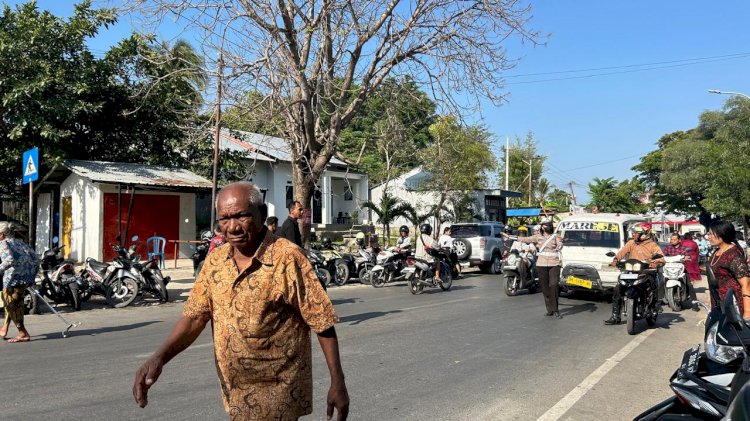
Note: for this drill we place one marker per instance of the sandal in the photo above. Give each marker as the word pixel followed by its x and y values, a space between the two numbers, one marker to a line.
pixel 17 339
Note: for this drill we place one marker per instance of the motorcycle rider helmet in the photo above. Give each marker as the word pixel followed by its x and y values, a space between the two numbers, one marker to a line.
pixel 642 232
pixel 547 227
pixel 426 229
pixel 206 235
pixel 326 242
pixel 361 239
pixel 403 230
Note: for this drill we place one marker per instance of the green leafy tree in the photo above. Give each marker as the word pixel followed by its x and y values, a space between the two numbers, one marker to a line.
pixel 457 162
pixel 388 210
pixel 608 195
pixel 522 153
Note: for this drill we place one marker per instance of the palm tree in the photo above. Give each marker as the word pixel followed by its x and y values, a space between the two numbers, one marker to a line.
pixel 543 189
pixel 387 211
pixel 415 218
pixel 602 192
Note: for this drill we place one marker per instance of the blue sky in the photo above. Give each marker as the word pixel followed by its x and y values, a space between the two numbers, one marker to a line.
pixel 591 122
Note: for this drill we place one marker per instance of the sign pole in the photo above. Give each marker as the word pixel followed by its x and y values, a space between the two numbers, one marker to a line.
pixel 32 227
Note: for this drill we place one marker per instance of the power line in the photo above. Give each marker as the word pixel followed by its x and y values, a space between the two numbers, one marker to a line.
pixel 594 69
pixel 605 162
pixel 622 72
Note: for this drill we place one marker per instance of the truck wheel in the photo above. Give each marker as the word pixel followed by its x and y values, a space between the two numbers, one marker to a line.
pixel 496 264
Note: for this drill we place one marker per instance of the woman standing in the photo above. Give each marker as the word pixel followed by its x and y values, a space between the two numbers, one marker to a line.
pixel 729 268
pixel 18 267
pixel 693 253
pixel 547 265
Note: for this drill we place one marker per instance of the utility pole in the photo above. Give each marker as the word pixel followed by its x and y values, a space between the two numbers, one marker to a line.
pixel 531 161
pixel 507 167
pixel 573 194
pixel 217 136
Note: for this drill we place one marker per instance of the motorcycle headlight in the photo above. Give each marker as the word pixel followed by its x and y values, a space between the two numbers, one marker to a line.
pixel 672 272
pixel 629 267
pixel 722 354
pixel 512 259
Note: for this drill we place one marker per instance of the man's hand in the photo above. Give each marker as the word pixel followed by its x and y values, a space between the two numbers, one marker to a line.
pixel 338 397
pixel 146 376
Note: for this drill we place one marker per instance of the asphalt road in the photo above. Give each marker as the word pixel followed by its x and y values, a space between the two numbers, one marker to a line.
pixel 468 354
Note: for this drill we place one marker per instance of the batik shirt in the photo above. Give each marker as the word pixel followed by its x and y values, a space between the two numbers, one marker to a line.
pixel 728 268
pixel 18 263
pixel 261 320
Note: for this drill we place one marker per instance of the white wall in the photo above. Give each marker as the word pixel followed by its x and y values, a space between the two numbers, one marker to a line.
pixel 87 214
pixel 43 222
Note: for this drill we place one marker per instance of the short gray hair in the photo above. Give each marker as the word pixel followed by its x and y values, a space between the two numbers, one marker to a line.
pixel 6 228
pixel 255 195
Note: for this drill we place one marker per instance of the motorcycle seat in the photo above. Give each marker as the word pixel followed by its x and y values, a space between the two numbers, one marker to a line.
pixel 96 265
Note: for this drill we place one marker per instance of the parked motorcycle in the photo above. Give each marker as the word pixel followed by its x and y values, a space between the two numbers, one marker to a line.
pixel 639 285
pixel 148 274
pixel 59 281
pixel 114 280
pixel 420 273
pixel 343 263
pixel 707 383
pixel 201 251
pixel 319 266
pixel 520 272
pixel 388 268
pixel 676 282
pixel 364 262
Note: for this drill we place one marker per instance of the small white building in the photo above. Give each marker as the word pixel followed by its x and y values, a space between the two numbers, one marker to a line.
pixel 340 191
pixel 408 188
pixel 81 203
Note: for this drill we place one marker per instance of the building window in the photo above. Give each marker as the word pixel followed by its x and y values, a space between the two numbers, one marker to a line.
pixel 348 194
pixel 289 196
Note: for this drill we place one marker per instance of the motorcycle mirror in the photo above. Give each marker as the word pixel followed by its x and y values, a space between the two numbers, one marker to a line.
pixel 732 310
pixel 55 240
pixel 134 238
pixel 611 254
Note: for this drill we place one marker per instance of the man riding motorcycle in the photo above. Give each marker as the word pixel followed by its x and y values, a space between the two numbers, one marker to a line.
pixel 640 247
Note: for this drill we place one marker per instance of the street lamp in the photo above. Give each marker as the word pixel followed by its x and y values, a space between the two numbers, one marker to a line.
pixel 716 91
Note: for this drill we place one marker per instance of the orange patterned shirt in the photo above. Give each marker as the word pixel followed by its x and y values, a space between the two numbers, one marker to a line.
pixel 261 321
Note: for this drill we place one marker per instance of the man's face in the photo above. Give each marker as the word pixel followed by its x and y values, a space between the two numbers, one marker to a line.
pixel 674 240
pixel 296 211
pixel 272 228
pixel 239 222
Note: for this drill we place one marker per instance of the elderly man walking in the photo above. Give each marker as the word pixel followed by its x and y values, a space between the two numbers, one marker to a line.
pixel 262 297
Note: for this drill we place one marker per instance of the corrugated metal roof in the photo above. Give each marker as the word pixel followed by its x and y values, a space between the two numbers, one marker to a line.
pixel 231 143
pixel 271 146
pixel 136 174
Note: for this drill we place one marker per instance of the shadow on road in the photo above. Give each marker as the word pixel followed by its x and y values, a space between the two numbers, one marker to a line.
pixel 665 320
pixel 571 309
pixel 94 332
pixel 453 288
pixel 359 318
pixel 345 301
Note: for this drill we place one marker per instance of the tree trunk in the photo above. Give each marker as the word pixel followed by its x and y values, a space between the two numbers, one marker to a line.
pixel 304 187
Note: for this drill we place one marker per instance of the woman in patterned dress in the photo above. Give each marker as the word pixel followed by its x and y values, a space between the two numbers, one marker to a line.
pixel 729 266
pixel 18 267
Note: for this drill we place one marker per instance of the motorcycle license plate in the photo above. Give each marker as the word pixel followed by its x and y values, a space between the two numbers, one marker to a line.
pixel 629 276
pixel 585 283
pixel 690 359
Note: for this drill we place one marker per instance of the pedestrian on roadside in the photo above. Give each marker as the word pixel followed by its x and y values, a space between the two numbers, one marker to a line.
pixel 272 223
pixel 18 267
pixel 262 298
pixel 703 249
pixel 693 270
pixel 548 265
pixel 727 267
pixel 217 240
pixel 290 228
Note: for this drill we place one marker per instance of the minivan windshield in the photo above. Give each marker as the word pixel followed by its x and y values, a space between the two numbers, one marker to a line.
pixel 590 234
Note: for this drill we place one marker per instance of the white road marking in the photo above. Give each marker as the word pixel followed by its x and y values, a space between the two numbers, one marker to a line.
pixel 567 402
pixel 438 304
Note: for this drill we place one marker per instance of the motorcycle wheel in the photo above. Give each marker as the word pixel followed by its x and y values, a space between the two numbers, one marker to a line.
pixel 364 274
pixel 511 286
pixel 377 279
pixel 121 292
pixel 75 296
pixel 414 286
pixel 88 289
pixel 630 316
pixel 161 289
pixel 325 276
pixel 342 273
pixel 674 298
pixel 30 302
pixel 446 280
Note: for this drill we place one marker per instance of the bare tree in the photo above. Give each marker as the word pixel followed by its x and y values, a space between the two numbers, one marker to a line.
pixel 316 62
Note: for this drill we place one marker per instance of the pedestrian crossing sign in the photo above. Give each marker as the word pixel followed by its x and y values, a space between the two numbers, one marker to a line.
pixel 30 162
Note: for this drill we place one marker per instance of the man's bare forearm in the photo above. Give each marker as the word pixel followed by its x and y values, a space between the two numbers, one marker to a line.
pixel 329 343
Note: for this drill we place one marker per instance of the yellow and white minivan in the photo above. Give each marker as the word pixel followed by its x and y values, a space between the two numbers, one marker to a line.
pixel 587 238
